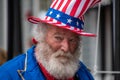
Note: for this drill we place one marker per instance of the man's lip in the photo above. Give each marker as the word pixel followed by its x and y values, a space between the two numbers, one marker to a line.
pixel 62 57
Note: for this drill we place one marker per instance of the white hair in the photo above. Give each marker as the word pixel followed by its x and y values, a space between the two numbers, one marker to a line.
pixel 39 32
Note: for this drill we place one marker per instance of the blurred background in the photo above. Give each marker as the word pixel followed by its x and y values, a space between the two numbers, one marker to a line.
pixel 100 54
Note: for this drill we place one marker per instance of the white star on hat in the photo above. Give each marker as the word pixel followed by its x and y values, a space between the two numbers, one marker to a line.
pixel 50 12
pixel 58 16
pixel 69 20
pixel 77 23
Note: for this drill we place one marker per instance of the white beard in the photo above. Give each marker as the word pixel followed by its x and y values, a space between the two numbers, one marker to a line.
pixel 59 67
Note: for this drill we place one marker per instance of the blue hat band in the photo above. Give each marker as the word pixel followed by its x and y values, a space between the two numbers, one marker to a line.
pixel 64 18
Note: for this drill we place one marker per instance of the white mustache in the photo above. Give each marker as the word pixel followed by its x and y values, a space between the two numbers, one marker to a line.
pixel 60 53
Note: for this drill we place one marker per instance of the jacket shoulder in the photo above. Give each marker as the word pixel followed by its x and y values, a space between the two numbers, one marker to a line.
pixel 10 68
pixel 83 73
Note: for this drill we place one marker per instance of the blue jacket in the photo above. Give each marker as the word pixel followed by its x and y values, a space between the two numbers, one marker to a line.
pixel 25 67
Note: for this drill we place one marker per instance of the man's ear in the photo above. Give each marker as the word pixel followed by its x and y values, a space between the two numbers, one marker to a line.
pixel 34 41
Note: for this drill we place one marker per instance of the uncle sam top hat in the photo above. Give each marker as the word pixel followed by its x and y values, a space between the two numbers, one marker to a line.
pixel 67 14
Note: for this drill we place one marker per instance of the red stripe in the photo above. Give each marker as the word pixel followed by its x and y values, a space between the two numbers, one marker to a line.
pixel 75 29
pixel 81 18
pixel 54 3
pixel 46 17
pixel 75 7
pixel 93 3
pixel 51 19
pixel 60 4
pixel 66 5
pixel 84 7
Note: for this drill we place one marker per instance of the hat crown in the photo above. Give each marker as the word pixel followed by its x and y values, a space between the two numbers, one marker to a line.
pixel 69 13
pixel 75 8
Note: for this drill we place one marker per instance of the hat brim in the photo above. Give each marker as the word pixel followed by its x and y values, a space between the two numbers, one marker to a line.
pixel 36 20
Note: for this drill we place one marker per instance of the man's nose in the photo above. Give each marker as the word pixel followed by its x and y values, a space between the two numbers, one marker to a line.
pixel 65 46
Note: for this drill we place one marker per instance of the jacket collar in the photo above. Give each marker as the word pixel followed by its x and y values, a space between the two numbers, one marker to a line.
pixel 31 60
pixel 32 71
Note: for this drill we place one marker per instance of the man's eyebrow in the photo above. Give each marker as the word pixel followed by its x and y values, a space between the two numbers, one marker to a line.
pixel 57 33
pixel 76 37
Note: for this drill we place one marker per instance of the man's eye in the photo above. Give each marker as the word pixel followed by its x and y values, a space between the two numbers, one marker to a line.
pixel 73 40
pixel 58 38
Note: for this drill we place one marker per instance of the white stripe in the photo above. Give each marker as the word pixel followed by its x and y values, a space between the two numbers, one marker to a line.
pixel 78 29
pixel 54 21
pixel 71 28
pixel 64 2
pixel 51 22
pixel 80 8
pixel 53 3
pixel 61 25
pixel 48 18
pixel 70 7
pixel 57 4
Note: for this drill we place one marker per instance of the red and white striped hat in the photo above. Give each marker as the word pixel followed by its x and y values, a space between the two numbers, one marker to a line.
pixel 67 14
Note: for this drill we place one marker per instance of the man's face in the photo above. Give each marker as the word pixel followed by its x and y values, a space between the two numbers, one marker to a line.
pixel 59 52
pixel 62 39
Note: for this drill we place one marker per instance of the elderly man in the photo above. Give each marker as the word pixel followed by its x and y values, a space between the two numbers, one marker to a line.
pixel 56 53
